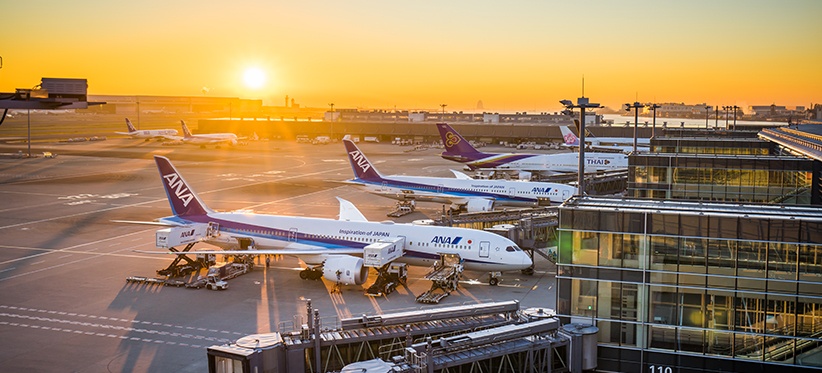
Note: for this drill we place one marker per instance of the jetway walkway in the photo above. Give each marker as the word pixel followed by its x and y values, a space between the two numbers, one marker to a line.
pixel 403 338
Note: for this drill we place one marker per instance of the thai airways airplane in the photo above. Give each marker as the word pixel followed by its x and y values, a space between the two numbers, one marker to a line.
pixel 207 138
pixel 331 248
pixel 460 150
pixel 461 192
pixel 621 144
pixel 147 134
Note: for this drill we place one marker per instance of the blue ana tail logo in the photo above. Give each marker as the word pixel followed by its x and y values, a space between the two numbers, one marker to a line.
pixel 175 183
pixel 361 161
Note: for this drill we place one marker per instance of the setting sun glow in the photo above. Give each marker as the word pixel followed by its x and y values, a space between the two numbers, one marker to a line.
pixel 254 78
pixel 364 54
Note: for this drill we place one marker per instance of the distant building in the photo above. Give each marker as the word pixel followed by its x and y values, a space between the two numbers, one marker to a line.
pixel 677 110
pixel 777 112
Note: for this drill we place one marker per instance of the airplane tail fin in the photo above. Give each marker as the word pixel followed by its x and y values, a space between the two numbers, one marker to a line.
pixel 183 200
pixel 457 148
pixel 130 126
pixel 569 137
pixel 363 169
pixel 186 131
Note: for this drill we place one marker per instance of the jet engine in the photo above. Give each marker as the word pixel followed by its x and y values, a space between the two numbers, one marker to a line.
pixel 479 205
pixel 345 269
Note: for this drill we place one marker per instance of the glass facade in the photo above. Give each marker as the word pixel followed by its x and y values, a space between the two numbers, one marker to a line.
pixel 785 180
pixel 727 281
pixel 710 145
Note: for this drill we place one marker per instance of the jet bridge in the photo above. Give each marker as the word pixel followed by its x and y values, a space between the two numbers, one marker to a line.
pixel 496 337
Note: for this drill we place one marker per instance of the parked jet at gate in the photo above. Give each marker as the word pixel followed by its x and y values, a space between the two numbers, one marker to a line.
pixel 207 138
pixel 621 144
pixel 330 248
pixel 461 192
pixel 458 149
pixel 148 134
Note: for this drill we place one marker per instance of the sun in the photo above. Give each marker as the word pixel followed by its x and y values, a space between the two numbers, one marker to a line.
pixel 254 78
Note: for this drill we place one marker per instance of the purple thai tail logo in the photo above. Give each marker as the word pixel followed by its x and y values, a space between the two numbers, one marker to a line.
pixel 451 139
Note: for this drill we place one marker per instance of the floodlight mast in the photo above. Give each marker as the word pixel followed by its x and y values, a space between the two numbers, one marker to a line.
pixel 636 105
pixel 582 104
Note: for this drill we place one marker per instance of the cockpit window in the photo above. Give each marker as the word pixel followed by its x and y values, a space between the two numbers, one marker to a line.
pixel 512 248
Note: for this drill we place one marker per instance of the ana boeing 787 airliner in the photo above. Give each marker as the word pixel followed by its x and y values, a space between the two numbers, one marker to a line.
pixel 331 248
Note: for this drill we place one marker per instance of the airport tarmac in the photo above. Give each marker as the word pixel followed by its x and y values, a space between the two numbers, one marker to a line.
pixel 65 304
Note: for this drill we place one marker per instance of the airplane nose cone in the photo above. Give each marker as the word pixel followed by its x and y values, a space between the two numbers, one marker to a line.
pixel 526 260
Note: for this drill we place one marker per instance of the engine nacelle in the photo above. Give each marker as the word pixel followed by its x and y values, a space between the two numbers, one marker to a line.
pixel 479 205
pixel 345 269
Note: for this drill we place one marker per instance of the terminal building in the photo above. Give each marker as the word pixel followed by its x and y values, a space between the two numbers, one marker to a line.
pixel 711 261
pixel 693 286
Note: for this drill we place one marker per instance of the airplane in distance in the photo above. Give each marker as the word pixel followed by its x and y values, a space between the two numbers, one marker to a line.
pixel 462 192
pixel 621 144
pixel 331 249
pixel 147 134
pixel 206 138
pixel 458 149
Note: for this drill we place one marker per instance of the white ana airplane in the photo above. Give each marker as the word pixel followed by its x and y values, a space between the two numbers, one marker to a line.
pixel 207 138
pixel 148 134
pixel 621 144
pixel 331 248
pixel 458 149
pixel 461 192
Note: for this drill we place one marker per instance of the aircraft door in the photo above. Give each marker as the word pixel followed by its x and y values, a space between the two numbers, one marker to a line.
pixel 512 192
pixel 565 194
pixel 440 188
pixel 292 235
pixel 485 249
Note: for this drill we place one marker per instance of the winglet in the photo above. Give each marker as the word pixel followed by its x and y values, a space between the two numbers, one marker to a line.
pixel 349 212
pixel 130 126
pixel 183 200
pixel 363 169
pixel 457 148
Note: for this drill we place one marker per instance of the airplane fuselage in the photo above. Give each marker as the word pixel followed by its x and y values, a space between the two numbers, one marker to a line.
pixel 557 163
pixel 480 250
pixel 452 190
pixel 149 134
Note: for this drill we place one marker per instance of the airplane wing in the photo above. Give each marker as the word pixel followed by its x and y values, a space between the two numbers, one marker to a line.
pixel 339 251
pixel 159 223
pixel 170 137
pixel 460 175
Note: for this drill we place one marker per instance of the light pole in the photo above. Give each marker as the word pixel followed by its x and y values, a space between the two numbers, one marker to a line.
pixel 582 104
pixel 635 106
pixel 726 108
pixel 735 109
pixel 443 112
pixel 653 107
pixel 707 112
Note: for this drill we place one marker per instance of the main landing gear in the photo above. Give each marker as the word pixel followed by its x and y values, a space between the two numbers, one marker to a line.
pixel 494 278
pixel 311 273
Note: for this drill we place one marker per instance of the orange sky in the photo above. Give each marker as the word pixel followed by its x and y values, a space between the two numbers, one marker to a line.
pixel 513 56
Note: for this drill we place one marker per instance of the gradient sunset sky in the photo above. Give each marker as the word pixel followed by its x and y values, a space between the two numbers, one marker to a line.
pixel 511 55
